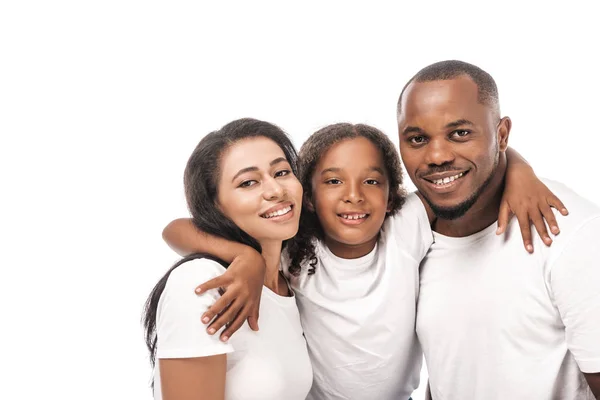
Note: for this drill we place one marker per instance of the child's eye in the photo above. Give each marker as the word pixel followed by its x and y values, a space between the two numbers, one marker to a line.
pixel 460 134
pixel 248 183
pixel 333 181
pixel 281 173
pixel 372 182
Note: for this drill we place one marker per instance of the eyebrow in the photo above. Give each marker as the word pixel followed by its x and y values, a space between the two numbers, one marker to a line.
pixel 335 169
pixel 459 122
pixel 453 124
pixel 250 169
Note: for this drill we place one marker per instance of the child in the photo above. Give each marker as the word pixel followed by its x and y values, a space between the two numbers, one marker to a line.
pixel 353 265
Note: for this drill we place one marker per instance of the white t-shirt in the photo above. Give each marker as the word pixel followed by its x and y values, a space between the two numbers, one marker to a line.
pixel 271 364
pixel 498 323
pixel 359 315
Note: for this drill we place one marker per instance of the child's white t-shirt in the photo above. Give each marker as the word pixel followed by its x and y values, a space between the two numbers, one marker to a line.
pixel 359 314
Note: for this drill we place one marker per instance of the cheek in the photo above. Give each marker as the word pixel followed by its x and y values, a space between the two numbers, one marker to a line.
pixel 295 190
pixel 324 201
pixel 380 199
pixel 238 207
pixel 410 162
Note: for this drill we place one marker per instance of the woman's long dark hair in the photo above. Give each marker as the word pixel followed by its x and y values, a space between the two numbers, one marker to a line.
pixel 201 180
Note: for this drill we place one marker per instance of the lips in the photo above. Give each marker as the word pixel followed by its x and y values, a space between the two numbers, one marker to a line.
pixel 278 210
pixel 446 181
pixel 353 218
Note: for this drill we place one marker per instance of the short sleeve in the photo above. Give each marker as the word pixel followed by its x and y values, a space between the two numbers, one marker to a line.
pixel 180 331
pixel 411 229
pixel 575 283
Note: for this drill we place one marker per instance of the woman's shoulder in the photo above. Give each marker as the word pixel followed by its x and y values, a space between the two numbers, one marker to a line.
pixel 196 271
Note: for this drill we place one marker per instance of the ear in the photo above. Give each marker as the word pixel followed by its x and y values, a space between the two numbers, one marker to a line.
pixel 503 131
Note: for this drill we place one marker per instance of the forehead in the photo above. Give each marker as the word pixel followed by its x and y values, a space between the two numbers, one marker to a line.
pixel 251 152
pixel 442 101
pixel 356 152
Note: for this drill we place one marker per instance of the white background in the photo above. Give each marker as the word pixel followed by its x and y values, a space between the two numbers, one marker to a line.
pixel 102 102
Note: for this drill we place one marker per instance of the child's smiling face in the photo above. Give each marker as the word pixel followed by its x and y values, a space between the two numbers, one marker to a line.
pixel 350 195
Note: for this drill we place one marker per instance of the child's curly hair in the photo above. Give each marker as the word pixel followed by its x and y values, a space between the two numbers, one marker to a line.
pixel 301 248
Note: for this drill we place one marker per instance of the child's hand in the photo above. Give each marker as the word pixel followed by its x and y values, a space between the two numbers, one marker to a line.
pixel 242 286
pixel 530 200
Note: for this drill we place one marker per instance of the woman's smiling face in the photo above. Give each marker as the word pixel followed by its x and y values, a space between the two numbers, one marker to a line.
pixel 258 191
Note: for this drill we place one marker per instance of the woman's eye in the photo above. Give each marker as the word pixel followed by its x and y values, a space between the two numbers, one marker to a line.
pixel 417 140
pixel 282 173
pixel 248 183
pixel 372 182
pixel 333 181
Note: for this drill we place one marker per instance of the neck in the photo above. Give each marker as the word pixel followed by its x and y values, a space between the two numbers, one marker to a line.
pixel 271 252
pixel 349 251
pixel 483 213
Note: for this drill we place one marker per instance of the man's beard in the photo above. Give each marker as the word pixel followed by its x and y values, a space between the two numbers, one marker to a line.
pixel 457 211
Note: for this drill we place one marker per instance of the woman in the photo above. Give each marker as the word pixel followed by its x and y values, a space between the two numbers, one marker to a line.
pixel 240 185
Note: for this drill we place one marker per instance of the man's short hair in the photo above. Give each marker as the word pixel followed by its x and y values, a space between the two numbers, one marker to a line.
pixel 450 69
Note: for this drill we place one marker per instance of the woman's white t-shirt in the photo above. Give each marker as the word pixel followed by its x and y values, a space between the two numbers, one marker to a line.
pixel 359 314
pixel 270 364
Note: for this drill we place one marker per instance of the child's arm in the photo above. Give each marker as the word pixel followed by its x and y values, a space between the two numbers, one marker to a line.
pixel 529 199
pixel 243 280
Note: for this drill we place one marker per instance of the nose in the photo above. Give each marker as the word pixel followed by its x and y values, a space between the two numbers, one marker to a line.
pixel 439 152
pixel 353 193
pixel 272 190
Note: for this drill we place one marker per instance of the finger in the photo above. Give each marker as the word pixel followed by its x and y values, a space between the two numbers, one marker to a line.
pixel 540 226
pixel 234 325
pixel 217 308
pixel 253 316
pixel 214 283
pixel 550 218
pixel 225 317
pixel 525 227
pixel 556 203
pixel 503 218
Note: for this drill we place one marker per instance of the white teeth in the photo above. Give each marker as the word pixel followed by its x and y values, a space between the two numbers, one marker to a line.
pixel 353 216
pixel 277 213
pixel 448 179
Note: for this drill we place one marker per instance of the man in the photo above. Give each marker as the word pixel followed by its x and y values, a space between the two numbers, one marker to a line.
pixel 494 321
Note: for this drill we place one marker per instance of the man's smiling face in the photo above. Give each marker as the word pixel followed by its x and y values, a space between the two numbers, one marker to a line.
pixel 450 142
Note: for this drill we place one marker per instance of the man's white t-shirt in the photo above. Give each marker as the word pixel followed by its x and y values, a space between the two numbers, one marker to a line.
pixel 498 323
pixel 271 364
pixel 358 315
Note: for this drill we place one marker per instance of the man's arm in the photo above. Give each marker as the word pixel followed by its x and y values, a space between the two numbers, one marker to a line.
pixel 243 280
pixel 575 279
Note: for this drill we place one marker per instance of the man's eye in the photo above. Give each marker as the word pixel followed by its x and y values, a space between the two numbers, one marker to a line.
pixel 282 173
pixel 417 140
pixel 248 183
pixel 461 133
pixel 333 181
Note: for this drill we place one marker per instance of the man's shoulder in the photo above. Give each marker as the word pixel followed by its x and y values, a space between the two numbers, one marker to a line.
pixel 580 208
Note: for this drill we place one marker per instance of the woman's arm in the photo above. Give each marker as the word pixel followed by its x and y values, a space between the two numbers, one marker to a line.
pixel 529 199
pixel 242 282
pixel 193 378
